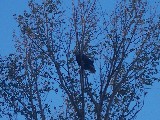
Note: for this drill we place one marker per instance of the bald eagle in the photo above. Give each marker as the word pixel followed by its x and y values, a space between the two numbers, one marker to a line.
pixel 87 63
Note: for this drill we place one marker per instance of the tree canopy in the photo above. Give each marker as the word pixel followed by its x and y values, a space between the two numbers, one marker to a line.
pixel 42 79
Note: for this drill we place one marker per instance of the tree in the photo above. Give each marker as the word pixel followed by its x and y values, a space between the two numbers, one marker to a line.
pixel 126 55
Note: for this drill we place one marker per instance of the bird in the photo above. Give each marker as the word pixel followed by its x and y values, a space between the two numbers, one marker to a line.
pixel 85 61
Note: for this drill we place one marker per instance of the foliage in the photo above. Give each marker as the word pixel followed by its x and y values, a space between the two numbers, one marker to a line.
pixel 44 71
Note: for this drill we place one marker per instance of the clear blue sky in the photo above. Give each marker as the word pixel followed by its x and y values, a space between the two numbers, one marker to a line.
pixel 151 109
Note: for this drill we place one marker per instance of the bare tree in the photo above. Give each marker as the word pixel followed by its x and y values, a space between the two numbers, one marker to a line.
pixel 125 49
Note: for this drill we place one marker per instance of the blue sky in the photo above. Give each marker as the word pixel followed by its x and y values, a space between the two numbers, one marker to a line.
pixel 151 107
pixel 8 24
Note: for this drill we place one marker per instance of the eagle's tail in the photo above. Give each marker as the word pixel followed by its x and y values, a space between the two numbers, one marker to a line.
pixel 92 69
